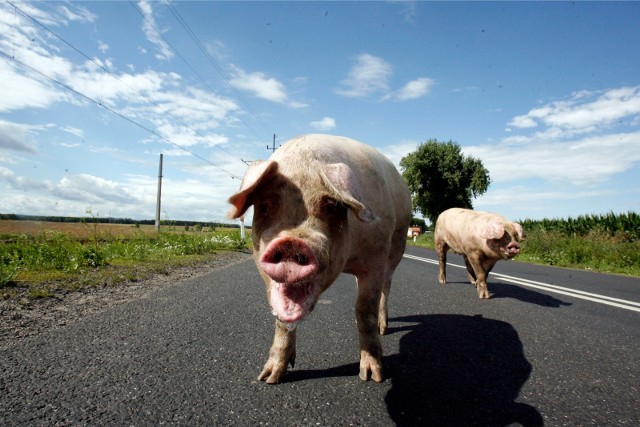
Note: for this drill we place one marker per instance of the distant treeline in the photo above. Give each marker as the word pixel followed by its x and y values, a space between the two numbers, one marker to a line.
pixel 99 220
pixel 625 225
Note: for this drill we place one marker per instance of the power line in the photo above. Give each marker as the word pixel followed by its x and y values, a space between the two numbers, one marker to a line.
pixel 130 120
pixel 215 64
pixel 146 99
pixel 226 79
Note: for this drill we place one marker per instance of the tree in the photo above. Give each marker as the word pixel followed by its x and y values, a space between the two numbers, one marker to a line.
pixel 440 177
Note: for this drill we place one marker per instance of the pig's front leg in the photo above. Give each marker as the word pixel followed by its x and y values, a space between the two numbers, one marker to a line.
pixel 480 276
pixel 282 353
pixel 367 321
pixel 442 249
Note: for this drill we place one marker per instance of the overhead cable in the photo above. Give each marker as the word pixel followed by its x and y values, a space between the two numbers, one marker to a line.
pixel 130 120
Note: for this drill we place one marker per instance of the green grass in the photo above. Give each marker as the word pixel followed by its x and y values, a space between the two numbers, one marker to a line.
pixel 53 260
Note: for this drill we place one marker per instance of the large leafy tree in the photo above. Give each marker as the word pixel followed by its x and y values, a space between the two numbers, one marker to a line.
pixel 440 177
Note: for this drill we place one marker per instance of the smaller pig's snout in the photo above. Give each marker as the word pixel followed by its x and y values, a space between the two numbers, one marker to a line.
pixel 288 260
pixel 513 249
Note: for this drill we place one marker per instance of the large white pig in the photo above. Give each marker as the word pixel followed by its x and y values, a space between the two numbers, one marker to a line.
pixel 325 205
pixel 482 238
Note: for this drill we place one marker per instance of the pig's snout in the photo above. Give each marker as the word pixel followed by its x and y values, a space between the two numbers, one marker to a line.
pixel 288 260
pixel 513 249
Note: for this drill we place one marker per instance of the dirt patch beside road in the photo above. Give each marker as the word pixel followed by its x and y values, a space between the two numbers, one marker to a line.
pixel 22 317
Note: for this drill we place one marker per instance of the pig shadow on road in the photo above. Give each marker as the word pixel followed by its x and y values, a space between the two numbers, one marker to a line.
pixel 503 290
pixel 455 370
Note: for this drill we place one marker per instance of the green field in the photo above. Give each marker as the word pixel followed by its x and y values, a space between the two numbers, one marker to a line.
pixel 44 258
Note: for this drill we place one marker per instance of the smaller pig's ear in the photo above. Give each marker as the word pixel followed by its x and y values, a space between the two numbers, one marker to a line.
pixel 520 231
pixel 492 230
pixel 257 173
pixel 339 178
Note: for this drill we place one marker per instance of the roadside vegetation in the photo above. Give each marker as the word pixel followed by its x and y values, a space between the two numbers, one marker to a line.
pixel 602 243
pixel 50 262
pixel 45 260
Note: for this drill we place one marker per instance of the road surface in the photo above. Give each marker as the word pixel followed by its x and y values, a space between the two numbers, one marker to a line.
pixel 189 354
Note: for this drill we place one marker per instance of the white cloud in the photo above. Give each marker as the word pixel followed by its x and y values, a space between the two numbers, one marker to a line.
pixel 73 131
pixel 260 85
pixel 20 91
pixel 584 111
pixel 414 89
pixel 583 140
pixel 103 47
pixel 91 189
pixel 82 187
pixel 152 32
pixel 148 97
pixel 370 74
pixel 78 14
pixel 23 183
pixel 195 105
pixel 325 124
pixel 586 161
pixel 395 152
pixel 133 197
pixel 522 202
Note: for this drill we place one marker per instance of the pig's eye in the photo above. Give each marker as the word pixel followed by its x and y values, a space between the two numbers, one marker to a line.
pixel 331 207
pixel 263 207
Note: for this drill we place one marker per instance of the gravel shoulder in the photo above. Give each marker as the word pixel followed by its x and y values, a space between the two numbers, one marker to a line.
pixel 23 317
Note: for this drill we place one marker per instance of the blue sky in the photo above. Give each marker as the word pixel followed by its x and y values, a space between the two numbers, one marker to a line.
pixel 546 94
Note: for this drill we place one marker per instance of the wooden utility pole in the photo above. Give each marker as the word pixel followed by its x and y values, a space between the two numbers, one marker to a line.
pixel 159 195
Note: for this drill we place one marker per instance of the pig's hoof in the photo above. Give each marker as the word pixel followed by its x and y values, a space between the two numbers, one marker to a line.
pixel 371 369
pixel 271 376
pixel 484 295
pixel 272 371
pixel 382 328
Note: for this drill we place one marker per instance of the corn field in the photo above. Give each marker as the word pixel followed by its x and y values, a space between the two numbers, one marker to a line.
pixel 625 227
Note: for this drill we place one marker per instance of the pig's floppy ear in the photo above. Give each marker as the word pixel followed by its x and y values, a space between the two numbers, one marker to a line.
pixel 257 173
pixel 492 230
pixel 339 178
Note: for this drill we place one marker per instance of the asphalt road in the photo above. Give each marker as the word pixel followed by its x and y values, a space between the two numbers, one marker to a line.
pixel 190 353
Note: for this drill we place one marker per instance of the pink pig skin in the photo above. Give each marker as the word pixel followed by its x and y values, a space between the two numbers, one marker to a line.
pixel 324 205
pixel 482 238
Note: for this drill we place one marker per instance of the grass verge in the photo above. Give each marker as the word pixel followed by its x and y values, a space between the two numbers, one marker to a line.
pixel 53 263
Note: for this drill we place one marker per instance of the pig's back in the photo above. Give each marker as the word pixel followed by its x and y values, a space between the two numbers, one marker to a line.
pixel 461 229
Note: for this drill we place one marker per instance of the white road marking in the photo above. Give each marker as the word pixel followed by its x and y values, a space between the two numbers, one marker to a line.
pixel 601 299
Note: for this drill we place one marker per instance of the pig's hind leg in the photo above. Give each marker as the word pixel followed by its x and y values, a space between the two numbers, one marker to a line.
pixel 398 244
pixel 282 353
pixel 470 272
